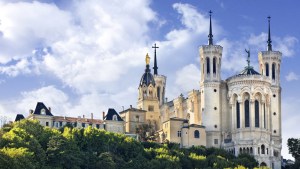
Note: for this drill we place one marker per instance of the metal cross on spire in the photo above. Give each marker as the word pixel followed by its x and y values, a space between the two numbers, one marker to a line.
pixel 269 36
pixel 210 35
pixel 155 61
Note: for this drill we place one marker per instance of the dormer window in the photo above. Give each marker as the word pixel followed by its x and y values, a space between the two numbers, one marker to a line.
pixel 43 112
pixel 115 118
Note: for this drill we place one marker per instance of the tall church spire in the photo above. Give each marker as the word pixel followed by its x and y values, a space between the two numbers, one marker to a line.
pixel 155 61
pixel 210 35
pixel 269 36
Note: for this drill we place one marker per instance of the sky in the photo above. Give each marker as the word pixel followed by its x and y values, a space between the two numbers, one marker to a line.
pixel 81 57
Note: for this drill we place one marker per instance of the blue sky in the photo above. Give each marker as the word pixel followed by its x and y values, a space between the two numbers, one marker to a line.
pixel 82 57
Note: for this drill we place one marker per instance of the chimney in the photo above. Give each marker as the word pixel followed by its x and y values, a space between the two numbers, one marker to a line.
pixel 30 111
pixel 83 116
pixel 103 115
pixel 131 106
pixel 49 108
pixel 92 116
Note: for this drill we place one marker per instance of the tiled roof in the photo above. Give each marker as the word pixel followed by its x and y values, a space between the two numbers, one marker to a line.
pixel 74 119
pixel 133 109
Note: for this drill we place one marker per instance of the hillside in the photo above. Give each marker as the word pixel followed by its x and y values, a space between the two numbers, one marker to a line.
pixel 30 145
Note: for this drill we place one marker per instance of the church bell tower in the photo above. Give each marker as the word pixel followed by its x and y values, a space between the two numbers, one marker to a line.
pixel 210 88
pixel 147 99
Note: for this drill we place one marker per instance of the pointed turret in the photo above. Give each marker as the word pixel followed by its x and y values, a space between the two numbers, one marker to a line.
pixel 269 37
pixel 155 61
pixel 210 35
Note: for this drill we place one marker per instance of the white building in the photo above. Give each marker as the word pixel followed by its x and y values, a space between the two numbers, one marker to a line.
pixel 241 114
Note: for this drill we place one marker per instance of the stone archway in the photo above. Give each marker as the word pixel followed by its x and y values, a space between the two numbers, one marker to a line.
pixel 263 164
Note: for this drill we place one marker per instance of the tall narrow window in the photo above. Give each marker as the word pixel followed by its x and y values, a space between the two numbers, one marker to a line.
pixel 158 93
pixel 273 71
pixel 207 66
pixel 247 119
pixel 196 134
pixel 267 69
pixel 214 65
pixel 265 115
pixel 179 133
pixel 262 149
pixel 237 114
pixel 256 113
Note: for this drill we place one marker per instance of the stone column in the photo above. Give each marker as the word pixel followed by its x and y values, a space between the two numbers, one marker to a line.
pixel 233 116
pixel 242 115
pixel 252 113
pixel 261 114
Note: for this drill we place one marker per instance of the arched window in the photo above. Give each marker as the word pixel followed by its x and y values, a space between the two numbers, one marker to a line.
pixel 196 134
pixel 115 118
pixel 207 66
pixel 214 65
pixel 256 113
pixel 247 119
pixel 273 71
pixel 262 149
pixel 237 114
pixel 267 69
pixel 43 111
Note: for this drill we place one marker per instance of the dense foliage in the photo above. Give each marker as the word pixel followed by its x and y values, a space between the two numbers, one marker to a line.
pixel 294 149
pixel 27 144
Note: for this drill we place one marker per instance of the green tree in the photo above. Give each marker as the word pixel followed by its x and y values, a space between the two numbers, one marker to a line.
pixel 246 160
pixel 16 158
pixel 19 138
pixel 106 161
pixel 62 153
pixel 294 147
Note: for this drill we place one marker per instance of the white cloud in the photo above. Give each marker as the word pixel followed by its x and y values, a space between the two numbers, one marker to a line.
pixel 291 76
pixel 188 78
pixel 25 26
pixel 50 95
pixel 285 44
pixel 290 119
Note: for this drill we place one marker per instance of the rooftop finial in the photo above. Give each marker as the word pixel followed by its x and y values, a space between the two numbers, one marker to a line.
pixel 269 36
pixel 210 35
pixel 248 58
pixel 155 61
pixel 147 59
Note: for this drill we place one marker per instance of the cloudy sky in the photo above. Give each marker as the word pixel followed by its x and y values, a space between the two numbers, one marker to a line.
pixel 81 57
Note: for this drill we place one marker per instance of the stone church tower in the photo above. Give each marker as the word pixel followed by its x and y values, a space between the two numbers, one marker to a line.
pixel 160 80
pixel 210 85
pixel 148 98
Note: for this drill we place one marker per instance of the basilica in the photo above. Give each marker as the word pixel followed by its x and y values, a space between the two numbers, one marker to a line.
pixel 241 114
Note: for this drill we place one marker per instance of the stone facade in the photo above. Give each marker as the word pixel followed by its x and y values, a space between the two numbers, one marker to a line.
pixel 241 114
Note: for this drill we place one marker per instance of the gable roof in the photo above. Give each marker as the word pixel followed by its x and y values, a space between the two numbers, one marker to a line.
pixel 19 117
pixel 111 112
pixel 39 107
